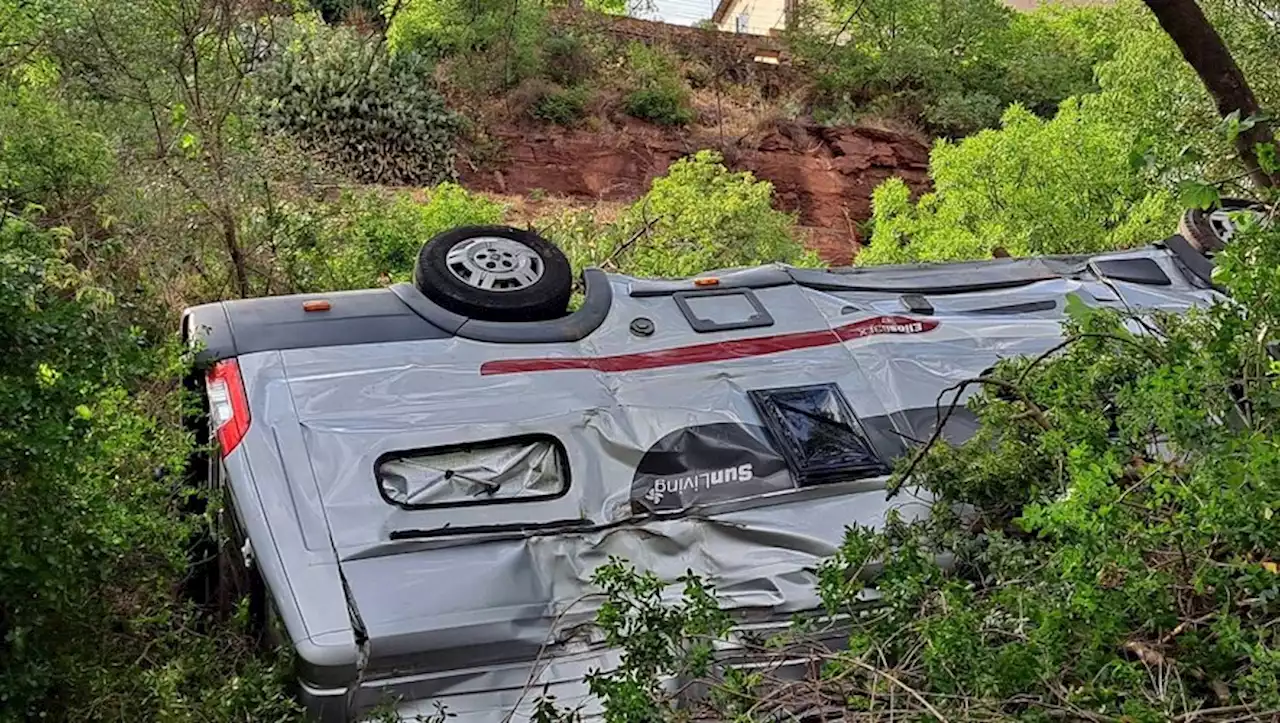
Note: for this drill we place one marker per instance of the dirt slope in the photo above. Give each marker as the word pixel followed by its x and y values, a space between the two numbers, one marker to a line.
pixel 824 175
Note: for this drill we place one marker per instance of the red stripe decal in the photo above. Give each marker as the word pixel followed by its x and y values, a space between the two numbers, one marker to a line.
pixel 715 351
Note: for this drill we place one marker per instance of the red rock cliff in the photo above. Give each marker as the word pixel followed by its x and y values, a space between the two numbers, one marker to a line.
pixel 824 175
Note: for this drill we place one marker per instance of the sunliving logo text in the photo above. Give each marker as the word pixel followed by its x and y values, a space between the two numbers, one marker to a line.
pixel 698 481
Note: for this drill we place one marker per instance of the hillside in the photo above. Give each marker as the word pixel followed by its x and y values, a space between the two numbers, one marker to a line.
pixel 822 174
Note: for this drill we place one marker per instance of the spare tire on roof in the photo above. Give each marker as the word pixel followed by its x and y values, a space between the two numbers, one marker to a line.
pixel 1211 230
pixel 495 273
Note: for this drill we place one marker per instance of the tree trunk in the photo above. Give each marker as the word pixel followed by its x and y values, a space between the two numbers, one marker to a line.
pixel 1204 50
pixel 231 240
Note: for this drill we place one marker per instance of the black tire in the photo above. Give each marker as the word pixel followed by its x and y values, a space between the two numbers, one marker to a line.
pixel 1205 230
pixel 547 297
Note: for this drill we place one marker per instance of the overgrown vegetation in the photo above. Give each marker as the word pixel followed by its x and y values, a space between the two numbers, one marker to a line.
pixel 658 93
pixel 90 488
pixel 1110 169
pixel 951 66
pixel 372 115
pixel 1068 184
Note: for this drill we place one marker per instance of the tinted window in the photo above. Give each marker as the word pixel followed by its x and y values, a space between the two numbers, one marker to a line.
pixel 514 470
pixel 817 432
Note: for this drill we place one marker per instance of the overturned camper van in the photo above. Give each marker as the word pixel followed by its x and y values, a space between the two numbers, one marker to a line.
pixel 420 479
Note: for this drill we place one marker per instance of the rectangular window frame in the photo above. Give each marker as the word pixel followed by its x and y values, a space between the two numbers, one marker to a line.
pixel 491 443
pixel 802 470
pixel 761 317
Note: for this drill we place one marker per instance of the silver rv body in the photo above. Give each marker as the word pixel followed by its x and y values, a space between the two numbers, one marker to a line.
pixel 425 496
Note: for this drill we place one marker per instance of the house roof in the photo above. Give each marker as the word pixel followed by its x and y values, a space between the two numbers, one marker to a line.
pixel 722 9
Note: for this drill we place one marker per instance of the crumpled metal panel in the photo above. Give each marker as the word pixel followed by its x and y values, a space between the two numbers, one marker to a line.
pixel 473 474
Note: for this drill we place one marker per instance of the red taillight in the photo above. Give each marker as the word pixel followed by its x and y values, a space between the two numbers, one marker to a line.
pixel 228 405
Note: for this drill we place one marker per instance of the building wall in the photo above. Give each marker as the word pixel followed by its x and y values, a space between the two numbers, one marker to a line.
pixel 763 16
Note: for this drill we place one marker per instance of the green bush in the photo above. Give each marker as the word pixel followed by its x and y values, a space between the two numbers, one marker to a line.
pixel 375 116
pixel 368 239
pixel 952 67
pixel 92 547
pixel 1067 185
pixel 498 43
pixel 562 106
pixel 955 114
pixel 46 154
pixel 657 92
pixel 699 216
pixel 570 58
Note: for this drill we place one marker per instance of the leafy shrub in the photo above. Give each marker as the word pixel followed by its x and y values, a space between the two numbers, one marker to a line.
pixel 45 153
pixel 662 104
pixel 369 239
pixel 658 92
pixel 953 67
pixel 91 547
pixel 502 38
pixel 699 216
pixel 1052 51
pixel 958 113
pixel 658 640
pixel 562 106
pixel 1066 185
pixel 570 58
pixel 373 115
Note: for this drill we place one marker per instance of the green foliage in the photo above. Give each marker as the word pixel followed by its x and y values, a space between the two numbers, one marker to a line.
pixel 1147 86
pixel 368 239
pixel 377 117
pixel 46 154
pixel 1070 184
pixel 571 58
pixel 658 93
pixel 562 106
pixel 709 217
pixel 658 638
pixel 91 547
pixel 1102 173
pixel 699 216
pixel 501 39
pixel 609 7
pixel 952 66
pixel 960 113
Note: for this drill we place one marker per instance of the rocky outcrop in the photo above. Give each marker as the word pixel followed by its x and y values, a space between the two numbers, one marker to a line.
pixel 825 175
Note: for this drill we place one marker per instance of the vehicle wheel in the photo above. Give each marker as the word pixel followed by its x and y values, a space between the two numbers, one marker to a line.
pixel 496 273
pixel 1210 231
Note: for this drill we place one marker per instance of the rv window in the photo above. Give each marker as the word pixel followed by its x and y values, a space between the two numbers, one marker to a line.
pixel 722 310
pixel 818 434
pixel 505 470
